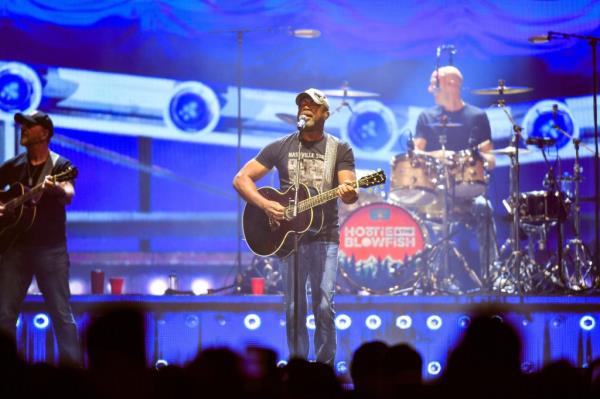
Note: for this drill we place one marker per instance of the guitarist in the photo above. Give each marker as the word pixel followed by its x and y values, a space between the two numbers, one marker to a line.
pixel 317 255
pixel 41 250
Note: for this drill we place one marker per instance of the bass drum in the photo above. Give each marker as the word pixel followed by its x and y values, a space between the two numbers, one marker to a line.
pixel 379 246
pixel 364 198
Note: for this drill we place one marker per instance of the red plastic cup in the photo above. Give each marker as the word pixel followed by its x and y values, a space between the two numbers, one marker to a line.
pixel 257 285
pixel 116 285
pixel 97 277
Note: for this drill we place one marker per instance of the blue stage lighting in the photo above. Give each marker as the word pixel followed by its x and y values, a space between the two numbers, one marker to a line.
pixel 220 320
pixel 341 367
pixel 527 368
pixel 252 321
pixel 193 108
pixel 434 322
pixel 373 322
pixel 160 364
pixel 587 323
pixel 310 322
pixel 434 368
pixel 540 121
pixel 41 321
pixel 20 88
pixel 343 322
pixel 403 322
pixel 192 321
pixel 464 321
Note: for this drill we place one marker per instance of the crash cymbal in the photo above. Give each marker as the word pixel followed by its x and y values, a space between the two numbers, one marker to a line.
pixel 287 118
pixel 349 93
pixel 510 150
pixel 501 90
pixel 449 124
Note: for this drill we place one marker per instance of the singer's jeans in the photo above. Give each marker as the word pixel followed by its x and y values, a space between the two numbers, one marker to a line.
pixel 317 263
pixel 50 266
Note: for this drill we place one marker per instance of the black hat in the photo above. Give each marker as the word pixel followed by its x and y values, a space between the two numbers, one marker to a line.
pixel 35 118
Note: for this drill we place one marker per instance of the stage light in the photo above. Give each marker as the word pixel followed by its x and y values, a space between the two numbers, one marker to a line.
pixel 403 322
pixel 557 321
pixel 193 108
pixel 252 321
pixel 157 286
pixel 310 322
pixel 41 321
pixel 20 88
pixel 200 286
pixel 464 321
pixel 192 321
pixel 18 323
pixel 373 322
pixel 587 323
pixel 434 322
pixel 76 286
pixel 306 33
pixel 282 363
pixel 220 320
pixel 434 368
pixel 527 368
pixel 160 364
pixel 341 367
pixel 343 322
pixel 281 323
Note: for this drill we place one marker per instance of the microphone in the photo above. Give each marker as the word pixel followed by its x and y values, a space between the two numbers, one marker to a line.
pixel 540 141
pixel 411 142
pixel 301 122
pixel 554 112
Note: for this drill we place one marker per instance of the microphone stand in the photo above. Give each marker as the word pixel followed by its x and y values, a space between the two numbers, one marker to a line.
pixel 296 266
pixel 593 41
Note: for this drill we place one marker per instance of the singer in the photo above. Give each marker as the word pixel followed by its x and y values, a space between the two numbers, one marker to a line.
pixel 465 127
pixel 321 161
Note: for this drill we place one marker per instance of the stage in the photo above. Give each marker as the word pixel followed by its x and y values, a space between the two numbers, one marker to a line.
pixel 551 327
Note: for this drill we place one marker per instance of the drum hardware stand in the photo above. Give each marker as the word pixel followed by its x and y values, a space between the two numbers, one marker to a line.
pixel 513 264
pixel 581 261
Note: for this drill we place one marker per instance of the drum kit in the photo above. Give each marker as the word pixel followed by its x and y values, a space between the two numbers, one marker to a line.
pixel 402 243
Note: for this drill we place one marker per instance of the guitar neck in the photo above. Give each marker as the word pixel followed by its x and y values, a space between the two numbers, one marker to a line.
pixel 320 199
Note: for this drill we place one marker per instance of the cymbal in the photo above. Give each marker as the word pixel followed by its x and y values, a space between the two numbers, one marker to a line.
pixel 500 90
pixel 287 118
pixel 510 150
pixel 345 92
pixel 449 124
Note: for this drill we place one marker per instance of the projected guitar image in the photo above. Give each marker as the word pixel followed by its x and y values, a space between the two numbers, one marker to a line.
pixel 267 237
pixel 19 212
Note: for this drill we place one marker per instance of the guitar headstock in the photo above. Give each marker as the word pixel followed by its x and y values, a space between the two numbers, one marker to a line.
pixel 372 179
pixel 68 174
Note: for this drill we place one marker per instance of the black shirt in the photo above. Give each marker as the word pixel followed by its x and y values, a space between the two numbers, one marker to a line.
pixel 283 155
pixel 474 123
pixel 49 226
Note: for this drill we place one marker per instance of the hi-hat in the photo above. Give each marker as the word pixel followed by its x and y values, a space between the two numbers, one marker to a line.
pixel 510 150
pixel 345 92
pixel 501 90
pixel 287 118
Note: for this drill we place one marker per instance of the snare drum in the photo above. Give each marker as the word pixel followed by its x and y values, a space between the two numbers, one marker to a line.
pixel 413 179
pixel 377 242
pixel 538 207
pixel 470 177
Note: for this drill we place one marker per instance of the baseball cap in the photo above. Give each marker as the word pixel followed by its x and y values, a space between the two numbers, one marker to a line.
pixel 35 118
pixel 317 96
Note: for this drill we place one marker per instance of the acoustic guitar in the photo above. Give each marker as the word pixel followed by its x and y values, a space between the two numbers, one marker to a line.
pixel 267 237
pixel 19 211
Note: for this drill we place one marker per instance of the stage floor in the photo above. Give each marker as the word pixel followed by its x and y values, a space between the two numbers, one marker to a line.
pixel 550 327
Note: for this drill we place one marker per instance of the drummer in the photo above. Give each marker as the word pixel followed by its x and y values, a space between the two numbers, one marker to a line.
pixel 465 127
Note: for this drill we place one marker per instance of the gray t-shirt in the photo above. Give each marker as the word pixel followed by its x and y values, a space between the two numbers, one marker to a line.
pixel 283 155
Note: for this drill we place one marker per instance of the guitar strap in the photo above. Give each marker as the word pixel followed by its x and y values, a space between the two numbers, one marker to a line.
pixel 48 166
pixel 330 158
